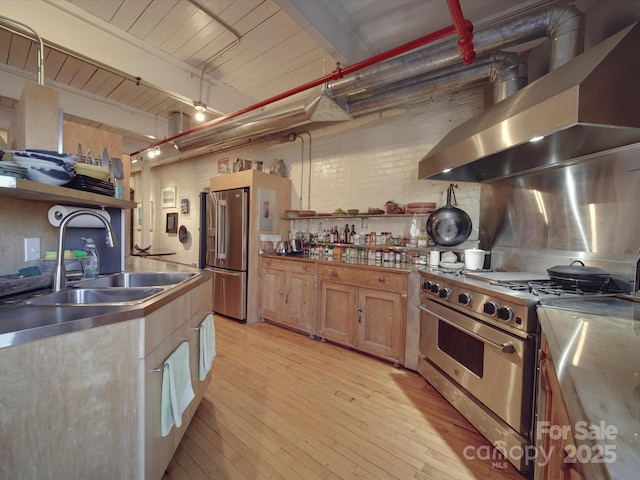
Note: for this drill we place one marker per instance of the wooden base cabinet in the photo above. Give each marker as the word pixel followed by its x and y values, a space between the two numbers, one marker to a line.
pixel 288 294
pixel 354 312
pixel 560 448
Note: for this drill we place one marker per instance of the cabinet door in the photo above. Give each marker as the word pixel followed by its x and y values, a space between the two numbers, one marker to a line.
pixel 299 301
pixel 380 323
pixel 337 312
pixel 271 289
pixel 561 466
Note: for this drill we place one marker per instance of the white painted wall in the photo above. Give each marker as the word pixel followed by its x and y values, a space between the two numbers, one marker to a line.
pixel 358 164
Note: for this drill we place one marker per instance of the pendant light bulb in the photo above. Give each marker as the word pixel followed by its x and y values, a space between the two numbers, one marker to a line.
pixel 200 109
pixel 151 153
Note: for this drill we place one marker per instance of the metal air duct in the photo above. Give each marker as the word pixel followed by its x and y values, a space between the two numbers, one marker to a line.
pixel 410 77
pixel 586 106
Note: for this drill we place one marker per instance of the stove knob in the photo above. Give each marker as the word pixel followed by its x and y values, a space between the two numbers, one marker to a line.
pixel 464 298
pixel 505 313
pixel 426 286
pixel 444 293
pixel 490 308
pixel 435 288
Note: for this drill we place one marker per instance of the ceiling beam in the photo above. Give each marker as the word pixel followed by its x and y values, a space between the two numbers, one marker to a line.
pixel 329 25
pixel 64 25
pixel 91 107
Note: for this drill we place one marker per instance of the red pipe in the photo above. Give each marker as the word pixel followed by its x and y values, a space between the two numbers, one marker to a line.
pixel 336 74
pixel 464 28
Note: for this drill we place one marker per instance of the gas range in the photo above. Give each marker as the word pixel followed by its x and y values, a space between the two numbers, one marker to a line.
pixel 506 300
pixel 502 299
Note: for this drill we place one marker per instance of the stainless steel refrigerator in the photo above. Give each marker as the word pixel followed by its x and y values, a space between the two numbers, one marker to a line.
pixel 227 231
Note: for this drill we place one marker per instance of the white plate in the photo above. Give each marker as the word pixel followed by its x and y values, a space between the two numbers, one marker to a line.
pixel 452 265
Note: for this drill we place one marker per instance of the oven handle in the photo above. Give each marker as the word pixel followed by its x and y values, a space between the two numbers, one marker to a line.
pixel 503 347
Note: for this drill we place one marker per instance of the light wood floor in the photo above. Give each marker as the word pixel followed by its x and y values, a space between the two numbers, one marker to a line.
pixel 282 406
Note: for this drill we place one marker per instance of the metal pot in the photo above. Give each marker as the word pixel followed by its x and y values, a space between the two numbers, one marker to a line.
pixel 296 245
pixel 449 226
pixel 588 279
pixel 283 248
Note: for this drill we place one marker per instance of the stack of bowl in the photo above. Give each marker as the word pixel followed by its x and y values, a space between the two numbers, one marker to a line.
pixel 46 166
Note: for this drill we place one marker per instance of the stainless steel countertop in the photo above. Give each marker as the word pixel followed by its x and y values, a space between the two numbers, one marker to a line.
pixel 26 323
pixel 597 361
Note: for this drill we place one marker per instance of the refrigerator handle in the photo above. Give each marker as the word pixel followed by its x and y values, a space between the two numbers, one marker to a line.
pixel 221 210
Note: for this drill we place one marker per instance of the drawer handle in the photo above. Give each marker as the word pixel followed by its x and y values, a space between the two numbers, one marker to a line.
pixel 194 329
pixel 161 368
pixel 382 279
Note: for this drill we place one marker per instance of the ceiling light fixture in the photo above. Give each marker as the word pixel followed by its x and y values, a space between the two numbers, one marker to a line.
pixel 154 152
pixel 200 109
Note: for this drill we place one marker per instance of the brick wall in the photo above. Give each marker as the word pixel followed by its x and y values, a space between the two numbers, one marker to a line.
pixel 357 164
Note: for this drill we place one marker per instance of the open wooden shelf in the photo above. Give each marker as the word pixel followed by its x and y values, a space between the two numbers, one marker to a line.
pixel 40 192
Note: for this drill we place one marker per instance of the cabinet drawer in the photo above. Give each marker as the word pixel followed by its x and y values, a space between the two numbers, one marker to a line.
pixel 292 266
pixel 157 326
pixel 201 297
pixel 396 282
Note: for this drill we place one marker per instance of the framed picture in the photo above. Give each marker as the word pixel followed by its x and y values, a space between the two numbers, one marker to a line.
pixel 172 223
pixel 223 165
pixel 266 198
pixel 184 206
pixel 169 197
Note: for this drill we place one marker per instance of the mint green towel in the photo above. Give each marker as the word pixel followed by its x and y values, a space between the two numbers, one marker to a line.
pixel 207 346
pixel 177 391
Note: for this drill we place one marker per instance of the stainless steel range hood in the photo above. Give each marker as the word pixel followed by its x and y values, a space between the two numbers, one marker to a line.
pixel 588 105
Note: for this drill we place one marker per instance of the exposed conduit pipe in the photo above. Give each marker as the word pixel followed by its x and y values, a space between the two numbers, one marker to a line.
pixel 338 73
pixel 39 46
pixel 563 24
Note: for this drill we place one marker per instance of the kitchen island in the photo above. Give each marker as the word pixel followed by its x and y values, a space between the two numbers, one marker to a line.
pixel 81 394
pixel 596 363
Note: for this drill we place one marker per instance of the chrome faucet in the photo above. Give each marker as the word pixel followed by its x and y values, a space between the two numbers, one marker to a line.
pixel 59 272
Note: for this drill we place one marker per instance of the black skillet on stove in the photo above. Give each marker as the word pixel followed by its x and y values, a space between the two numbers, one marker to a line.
pixel 587 279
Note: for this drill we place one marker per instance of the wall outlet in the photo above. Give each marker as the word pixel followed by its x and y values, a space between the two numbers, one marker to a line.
pixel 31 249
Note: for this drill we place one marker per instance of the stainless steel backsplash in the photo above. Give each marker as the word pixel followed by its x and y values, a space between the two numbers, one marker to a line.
pixel 589 210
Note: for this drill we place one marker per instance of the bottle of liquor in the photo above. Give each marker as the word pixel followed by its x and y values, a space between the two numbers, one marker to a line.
pixel 345 234
pixel 352 234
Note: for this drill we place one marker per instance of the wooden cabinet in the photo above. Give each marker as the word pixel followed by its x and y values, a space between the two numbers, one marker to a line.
pixel 337 320
pixel 554 433
pixel 365 309
pixel 288 293
pixel 165 330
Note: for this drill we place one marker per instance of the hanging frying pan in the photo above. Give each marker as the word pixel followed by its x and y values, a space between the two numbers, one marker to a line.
pixel 449 226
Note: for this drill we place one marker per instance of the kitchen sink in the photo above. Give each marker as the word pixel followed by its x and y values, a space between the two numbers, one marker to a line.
pixel 137 279
pixel 96 296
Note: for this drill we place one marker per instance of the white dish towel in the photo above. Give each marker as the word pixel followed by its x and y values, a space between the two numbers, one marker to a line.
pixel 207 346
pixel 177 391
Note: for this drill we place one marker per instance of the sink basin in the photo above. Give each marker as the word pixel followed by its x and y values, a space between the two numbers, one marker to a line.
pixel 96 296
pixel 137 279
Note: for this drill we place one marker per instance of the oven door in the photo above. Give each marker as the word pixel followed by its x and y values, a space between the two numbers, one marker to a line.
pixel 494 367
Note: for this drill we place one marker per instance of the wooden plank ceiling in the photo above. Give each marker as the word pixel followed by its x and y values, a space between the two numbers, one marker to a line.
pixel 123 65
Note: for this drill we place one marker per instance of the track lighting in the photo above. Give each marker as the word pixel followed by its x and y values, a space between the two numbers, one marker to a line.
pixel 154 152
